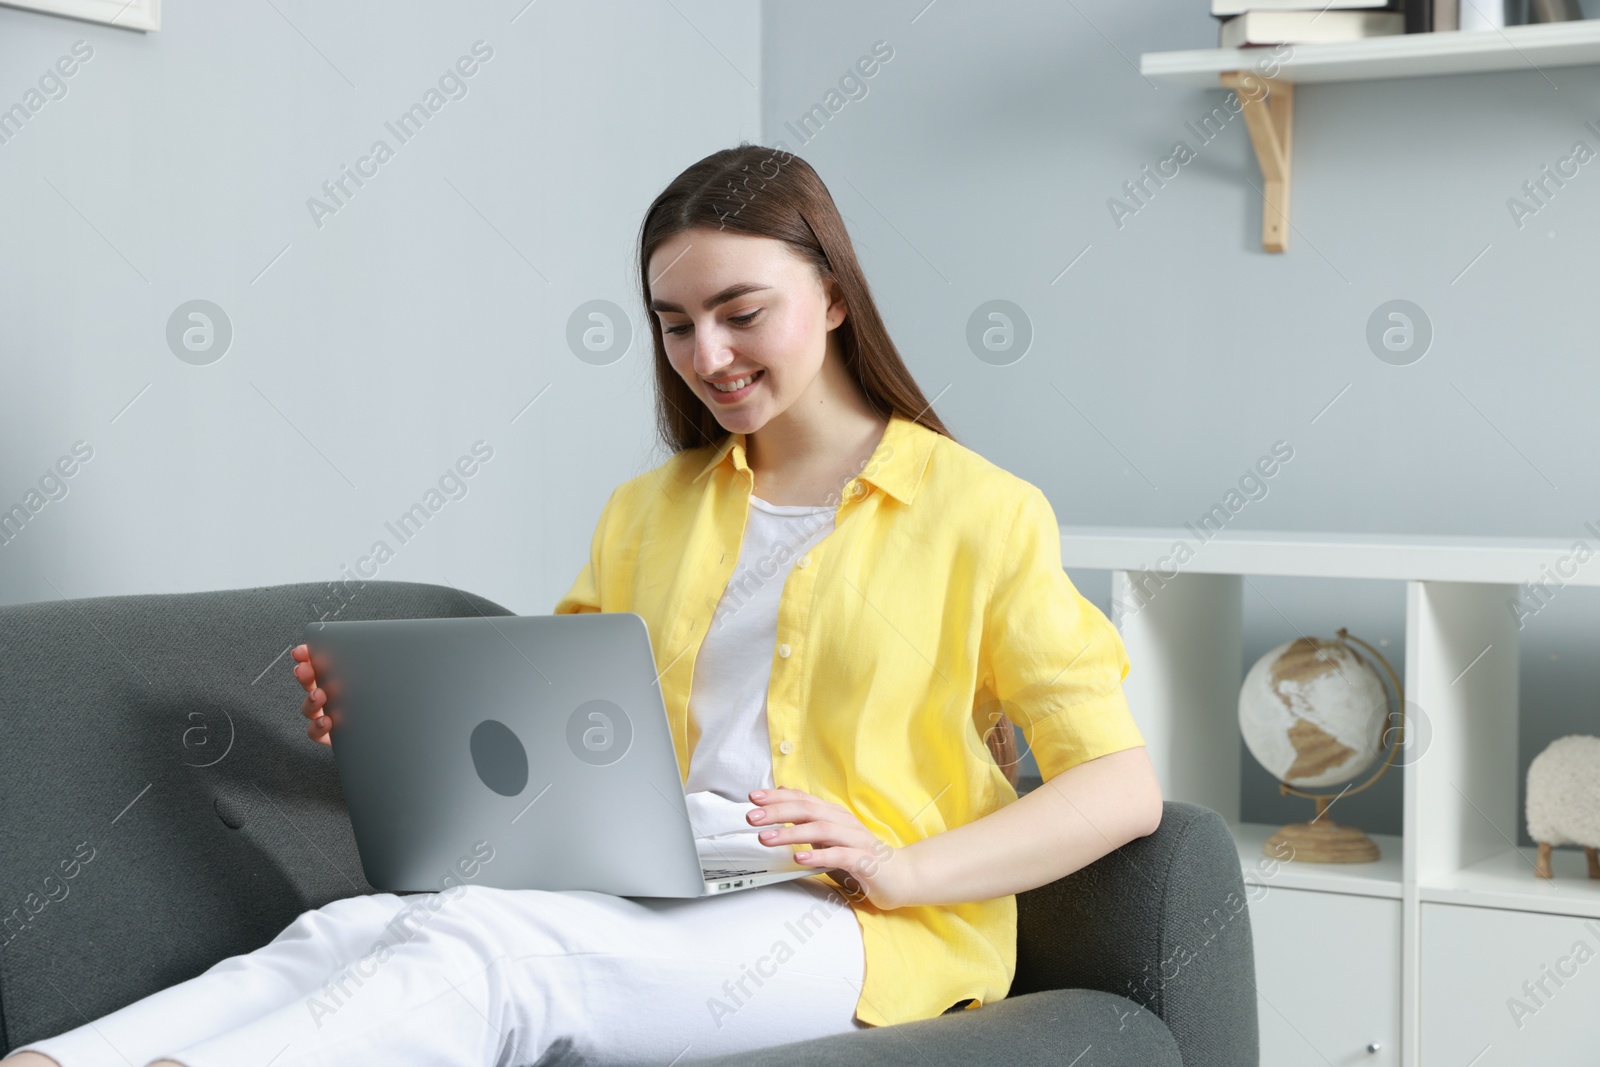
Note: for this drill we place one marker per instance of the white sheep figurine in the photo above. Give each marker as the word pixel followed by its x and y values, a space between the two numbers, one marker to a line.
pixel 1564 799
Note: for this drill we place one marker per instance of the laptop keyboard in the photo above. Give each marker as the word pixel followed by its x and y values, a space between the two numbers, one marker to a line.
pixel 714 873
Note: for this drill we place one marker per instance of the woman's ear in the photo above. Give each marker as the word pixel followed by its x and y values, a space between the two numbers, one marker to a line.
pixel 837 310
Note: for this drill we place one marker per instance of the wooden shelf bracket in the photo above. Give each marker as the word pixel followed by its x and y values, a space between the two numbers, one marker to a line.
pixel 1269 114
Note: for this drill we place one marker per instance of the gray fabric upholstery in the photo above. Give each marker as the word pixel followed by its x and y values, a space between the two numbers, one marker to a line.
pixel 163 733
pixel 118 701
pixel 1046 1029
pixel 1161 921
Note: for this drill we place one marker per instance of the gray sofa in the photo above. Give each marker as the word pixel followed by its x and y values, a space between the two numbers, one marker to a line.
pixel 162 734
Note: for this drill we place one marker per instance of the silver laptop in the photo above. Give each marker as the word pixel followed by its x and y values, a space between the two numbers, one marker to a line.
pixel 519 752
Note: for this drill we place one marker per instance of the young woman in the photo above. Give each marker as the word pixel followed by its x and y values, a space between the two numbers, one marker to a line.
pixel 849 611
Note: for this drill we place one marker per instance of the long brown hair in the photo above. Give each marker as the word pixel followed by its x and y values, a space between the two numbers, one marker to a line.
pixel 768 192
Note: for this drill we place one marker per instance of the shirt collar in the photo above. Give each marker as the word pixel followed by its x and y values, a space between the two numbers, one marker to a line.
pixel 896 465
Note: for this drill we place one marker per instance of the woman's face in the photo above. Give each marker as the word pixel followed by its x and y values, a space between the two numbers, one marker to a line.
pixel 735 306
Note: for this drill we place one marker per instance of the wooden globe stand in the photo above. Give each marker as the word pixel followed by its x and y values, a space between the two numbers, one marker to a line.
pixel 1322 840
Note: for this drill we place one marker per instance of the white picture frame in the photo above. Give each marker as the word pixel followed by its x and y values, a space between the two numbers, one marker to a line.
pixel 126 14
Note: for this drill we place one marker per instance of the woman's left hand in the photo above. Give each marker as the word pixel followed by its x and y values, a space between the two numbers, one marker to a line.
pixel 866 866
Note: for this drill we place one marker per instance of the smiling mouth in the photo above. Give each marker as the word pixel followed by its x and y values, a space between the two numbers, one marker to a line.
pixel 737 384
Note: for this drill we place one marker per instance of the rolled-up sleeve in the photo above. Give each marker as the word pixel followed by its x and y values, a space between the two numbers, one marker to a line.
pixel 585 592
pixel 1052 659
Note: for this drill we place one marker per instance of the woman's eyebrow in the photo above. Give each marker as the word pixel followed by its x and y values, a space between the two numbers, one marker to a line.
pixel 732 292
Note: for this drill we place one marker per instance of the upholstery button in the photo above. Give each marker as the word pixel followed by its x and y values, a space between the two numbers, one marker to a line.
pixel 786 747
pixel 783 651
pixel 803 561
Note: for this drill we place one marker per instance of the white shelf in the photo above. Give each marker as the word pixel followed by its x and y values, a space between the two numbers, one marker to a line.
pixel 1422 557
pixel 1182 626
pixel 1407 55
pixel 1380 878
pixel 1507 881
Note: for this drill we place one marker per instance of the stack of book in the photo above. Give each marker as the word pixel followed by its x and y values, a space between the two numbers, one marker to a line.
pixel 1258 22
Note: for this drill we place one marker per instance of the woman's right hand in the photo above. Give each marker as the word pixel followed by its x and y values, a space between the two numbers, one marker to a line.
pixel 320 724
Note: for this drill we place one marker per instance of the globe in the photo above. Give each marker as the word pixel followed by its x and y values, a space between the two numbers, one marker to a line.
pixel 1312 712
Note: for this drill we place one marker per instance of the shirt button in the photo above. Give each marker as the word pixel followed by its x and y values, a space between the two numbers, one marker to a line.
pixel 859 489
pixel 786 747
pixel 783 651
pixel 803 561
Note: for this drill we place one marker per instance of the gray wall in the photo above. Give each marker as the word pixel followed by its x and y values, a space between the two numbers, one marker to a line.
pixel 420 318
pixel 978 166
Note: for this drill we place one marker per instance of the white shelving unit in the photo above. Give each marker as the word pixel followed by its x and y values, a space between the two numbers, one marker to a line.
pixel 1342 949
pixel 1265 81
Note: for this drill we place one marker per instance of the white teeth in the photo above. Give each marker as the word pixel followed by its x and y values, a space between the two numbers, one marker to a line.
pixel 733 387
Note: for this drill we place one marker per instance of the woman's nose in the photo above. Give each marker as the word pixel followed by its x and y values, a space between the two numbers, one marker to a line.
pixel 710 354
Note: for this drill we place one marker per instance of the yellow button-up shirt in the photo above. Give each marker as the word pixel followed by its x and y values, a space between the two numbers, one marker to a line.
pixel 937 602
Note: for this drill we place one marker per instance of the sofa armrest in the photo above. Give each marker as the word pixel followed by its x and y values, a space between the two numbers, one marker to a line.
pixel 1161 921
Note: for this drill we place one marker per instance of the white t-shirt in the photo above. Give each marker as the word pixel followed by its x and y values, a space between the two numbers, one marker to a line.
pixel 728 693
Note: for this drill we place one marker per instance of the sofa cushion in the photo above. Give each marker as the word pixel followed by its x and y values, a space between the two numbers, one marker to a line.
pixel 1046 1029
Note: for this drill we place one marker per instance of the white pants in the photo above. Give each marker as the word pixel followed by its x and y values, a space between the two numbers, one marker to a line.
pixel 474 975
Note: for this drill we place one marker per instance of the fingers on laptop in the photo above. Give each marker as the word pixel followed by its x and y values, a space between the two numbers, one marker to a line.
pixel 304 673
pixel 317 729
